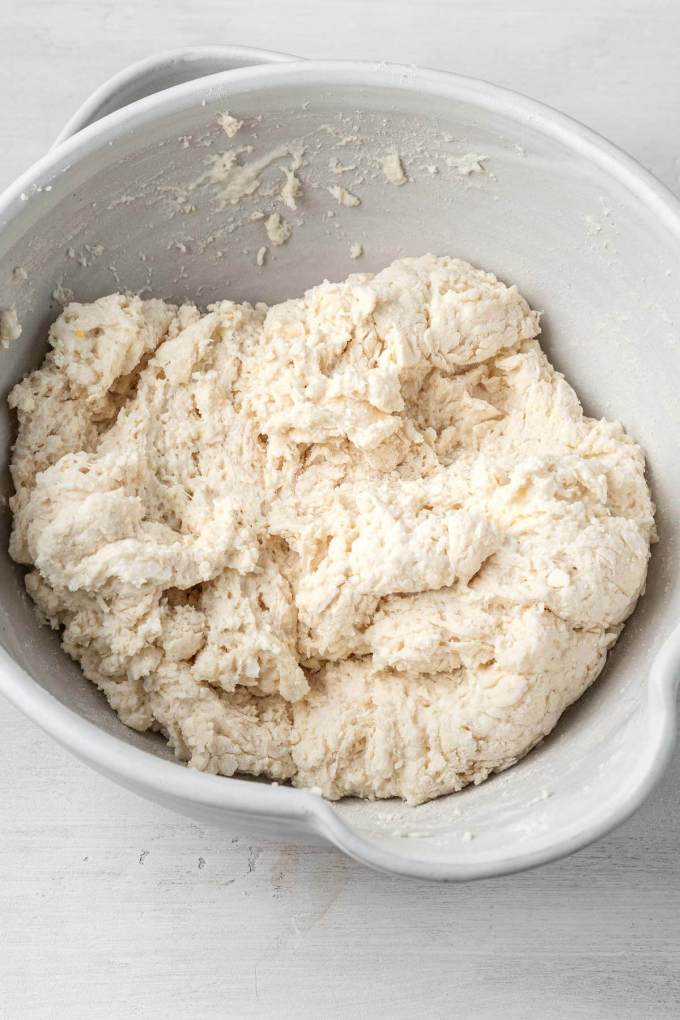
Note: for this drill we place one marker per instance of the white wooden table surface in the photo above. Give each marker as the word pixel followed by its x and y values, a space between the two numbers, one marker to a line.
pixel 111 907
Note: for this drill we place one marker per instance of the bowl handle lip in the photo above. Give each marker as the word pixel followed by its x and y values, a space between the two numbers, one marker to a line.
pixel 160 71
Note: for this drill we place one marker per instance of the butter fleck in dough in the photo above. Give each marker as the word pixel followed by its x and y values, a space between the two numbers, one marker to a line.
pixel 364 540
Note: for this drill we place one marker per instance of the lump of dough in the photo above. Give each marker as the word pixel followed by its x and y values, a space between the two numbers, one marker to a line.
pixel 364 540
pixel 443 312
pixel 396 734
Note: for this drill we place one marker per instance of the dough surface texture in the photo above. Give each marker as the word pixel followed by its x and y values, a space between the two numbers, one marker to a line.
pixel 364 540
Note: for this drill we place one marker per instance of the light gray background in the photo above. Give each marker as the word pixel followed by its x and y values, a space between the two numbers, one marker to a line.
pixel 111 907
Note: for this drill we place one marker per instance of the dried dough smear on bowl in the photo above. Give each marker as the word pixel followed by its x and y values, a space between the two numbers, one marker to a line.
pixel 365 539
pixel 585 233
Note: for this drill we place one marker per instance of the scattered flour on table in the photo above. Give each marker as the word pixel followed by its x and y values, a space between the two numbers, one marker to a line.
pixel 364 540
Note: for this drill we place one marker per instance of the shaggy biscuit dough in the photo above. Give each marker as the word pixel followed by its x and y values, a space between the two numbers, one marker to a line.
pixel 364 540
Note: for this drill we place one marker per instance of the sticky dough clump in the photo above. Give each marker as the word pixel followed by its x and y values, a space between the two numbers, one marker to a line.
pixel 364 540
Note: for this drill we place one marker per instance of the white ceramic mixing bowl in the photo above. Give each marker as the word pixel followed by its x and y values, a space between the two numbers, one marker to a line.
pixel 587 235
